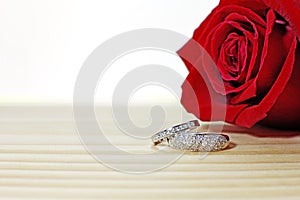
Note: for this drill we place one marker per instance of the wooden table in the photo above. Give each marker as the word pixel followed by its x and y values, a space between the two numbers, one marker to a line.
pixel 42 158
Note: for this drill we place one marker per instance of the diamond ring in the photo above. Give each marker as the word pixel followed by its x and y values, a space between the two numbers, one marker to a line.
pixel 205 141
pixel 163 135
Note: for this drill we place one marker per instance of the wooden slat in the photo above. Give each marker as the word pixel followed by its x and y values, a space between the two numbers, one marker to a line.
pixel 42 157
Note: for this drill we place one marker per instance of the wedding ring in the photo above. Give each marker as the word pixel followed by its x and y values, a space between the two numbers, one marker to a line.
pixel 204 141
pixel 163 135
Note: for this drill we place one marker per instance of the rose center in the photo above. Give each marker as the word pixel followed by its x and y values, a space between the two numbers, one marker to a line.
pixel 233 60
pixel 232 54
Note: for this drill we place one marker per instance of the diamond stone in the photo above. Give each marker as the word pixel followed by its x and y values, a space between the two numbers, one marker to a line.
pixel 198 142
pixel 163 135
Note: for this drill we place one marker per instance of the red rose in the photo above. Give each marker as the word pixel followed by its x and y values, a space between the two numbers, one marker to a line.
pixel 255 47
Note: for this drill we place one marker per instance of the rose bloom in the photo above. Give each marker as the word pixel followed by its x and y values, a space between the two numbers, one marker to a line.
pixel 254 45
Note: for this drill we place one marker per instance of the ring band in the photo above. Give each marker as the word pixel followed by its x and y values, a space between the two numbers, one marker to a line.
pixel 163 135
pixel 204 142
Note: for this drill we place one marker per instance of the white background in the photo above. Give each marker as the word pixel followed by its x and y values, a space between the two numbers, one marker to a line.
pixel 44 43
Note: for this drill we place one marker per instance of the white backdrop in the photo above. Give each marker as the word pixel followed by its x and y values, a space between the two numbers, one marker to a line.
pixel 43 43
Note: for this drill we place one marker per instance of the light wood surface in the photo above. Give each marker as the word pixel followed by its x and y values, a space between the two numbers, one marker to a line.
pixel 42 157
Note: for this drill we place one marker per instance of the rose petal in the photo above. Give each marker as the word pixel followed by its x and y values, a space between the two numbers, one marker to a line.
pixel 207 105
pixel 255 5
pixel 250 90
pixel 277 37
pixel 223 28
pixel 218 15
pixel 256 42
pixel 289 10
pixel 285 113
pixel 251 115
pixel 243 57
pixel 248 93
pixel 193 85
pixel 191 51
pixel 229 71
